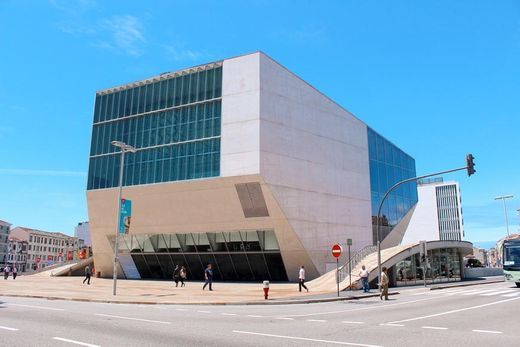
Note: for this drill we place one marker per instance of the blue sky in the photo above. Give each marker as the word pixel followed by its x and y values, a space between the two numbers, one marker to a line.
pixel 438 78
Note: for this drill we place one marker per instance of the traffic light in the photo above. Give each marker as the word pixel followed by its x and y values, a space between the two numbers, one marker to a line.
pixel 470 165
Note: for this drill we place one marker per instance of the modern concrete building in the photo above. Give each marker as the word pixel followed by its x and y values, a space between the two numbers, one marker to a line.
pixel 82 231
pixel 46 248
pixel 239 163
pixel 438 213
pixel 17 253
pixel 4 235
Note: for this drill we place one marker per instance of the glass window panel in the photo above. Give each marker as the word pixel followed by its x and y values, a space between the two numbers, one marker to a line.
pixel 156 94
pixel 196 270
pixel 166 264
pixel 225 266
pixel 201 85
pixel 218 82
pixel 271 243
pixel 374 183
pixel 241 265
pixel 380 149
pixel 141 265
pixel 185 85
pixel 154 266
pixel 178 90
pixel 97 107
pixel 115 107
pixel 276 267
pixel 210 89
pixel 110 104
pixel 163 94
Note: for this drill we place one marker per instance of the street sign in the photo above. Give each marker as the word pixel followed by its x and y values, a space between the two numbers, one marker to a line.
pixel 125 216
pixel 349 242
pixel 336 250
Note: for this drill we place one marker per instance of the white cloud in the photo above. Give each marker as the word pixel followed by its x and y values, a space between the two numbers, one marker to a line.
pixel 126 32
pixel 31 172
pixel 180 54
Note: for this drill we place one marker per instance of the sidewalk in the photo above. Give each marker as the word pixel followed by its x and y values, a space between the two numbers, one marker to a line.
pixel 165 292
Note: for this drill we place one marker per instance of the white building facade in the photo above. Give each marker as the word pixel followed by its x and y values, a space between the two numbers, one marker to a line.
pixel 82 231
pixel 438 214
pixel 46 248
pixel 17 254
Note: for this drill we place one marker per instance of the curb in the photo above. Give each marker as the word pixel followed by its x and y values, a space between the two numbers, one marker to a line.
pixel 466 284
pixel 217 303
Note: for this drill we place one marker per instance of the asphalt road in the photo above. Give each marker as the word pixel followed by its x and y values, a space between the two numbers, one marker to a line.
pixel 464 316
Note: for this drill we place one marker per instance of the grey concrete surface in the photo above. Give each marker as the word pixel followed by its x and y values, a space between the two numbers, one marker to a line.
pixel 462 316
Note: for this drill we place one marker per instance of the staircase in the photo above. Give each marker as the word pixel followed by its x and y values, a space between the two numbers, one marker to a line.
pixel 128 266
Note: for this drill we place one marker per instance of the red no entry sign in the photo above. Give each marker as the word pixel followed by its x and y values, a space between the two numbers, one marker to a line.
pixel 336 250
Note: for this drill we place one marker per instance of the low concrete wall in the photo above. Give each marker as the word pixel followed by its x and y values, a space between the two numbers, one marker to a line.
pixel 476 272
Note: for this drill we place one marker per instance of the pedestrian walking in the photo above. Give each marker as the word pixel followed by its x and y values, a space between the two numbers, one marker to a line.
pixel 87 275
pixel 208 275
pixel 7 269
pixel 301 279
pixel 183 276
pixel 176 275
pixel 384 284
pixel 364 279
pixel 15 272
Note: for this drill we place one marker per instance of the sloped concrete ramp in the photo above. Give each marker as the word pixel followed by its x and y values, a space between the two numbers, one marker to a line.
pixel 389 257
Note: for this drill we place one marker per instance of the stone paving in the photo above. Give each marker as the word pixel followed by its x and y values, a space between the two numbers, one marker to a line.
pixel 146 291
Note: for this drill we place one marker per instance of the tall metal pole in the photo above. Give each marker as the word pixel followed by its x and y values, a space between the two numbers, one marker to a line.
pixel 381 206
pixel 503 198
pixel 337 274
pixel 349 269
pixel 116 246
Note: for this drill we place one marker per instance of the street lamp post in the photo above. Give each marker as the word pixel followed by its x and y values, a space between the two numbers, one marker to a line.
pixel 503 198
pixel 124 148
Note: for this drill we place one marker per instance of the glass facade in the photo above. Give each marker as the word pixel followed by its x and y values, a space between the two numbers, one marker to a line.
pixel 252 255
pixel 389 165
pixel 174 122
pixel 443 265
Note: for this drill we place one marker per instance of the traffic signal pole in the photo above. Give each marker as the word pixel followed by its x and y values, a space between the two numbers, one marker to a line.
pixel 470 169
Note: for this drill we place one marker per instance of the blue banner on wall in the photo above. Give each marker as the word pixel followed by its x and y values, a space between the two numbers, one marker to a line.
pixel 126 216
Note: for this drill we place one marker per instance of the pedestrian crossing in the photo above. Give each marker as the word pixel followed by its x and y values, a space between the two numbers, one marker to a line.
pixel 495 292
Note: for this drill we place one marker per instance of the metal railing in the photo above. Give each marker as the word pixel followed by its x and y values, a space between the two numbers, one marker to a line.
pixel 345 270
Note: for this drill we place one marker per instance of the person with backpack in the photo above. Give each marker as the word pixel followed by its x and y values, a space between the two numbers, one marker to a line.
pixel 176 275
pixel 183 276
pixel 15 272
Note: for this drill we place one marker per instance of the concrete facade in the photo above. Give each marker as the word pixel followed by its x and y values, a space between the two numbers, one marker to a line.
pixel 309 155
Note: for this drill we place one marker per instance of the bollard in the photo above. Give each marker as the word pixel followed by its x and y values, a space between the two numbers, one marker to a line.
pixel 98 274
pixel 266 289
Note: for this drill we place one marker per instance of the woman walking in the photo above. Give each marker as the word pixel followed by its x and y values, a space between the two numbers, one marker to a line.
pixel 183 276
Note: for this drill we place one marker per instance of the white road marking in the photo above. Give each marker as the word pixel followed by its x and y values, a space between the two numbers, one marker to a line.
pixel 228 314
pixel 466 292
pixel 360 309
pixel 487 331
pixel 435 328
pixel 511 295
pixel 305 339
pixel 132 318
pixel 391 325
pixel 203 311
pixel 10 329
pixel 254 316
pixel 316 320
pixel 284 318
pixel 445 291
pixel 352 322
pixel 498 292
pixel 38 307
pixel 453 311
pixel 75 342
pixel 480 292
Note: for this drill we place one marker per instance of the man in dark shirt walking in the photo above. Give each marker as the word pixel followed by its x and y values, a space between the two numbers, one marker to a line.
pixel 208 275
